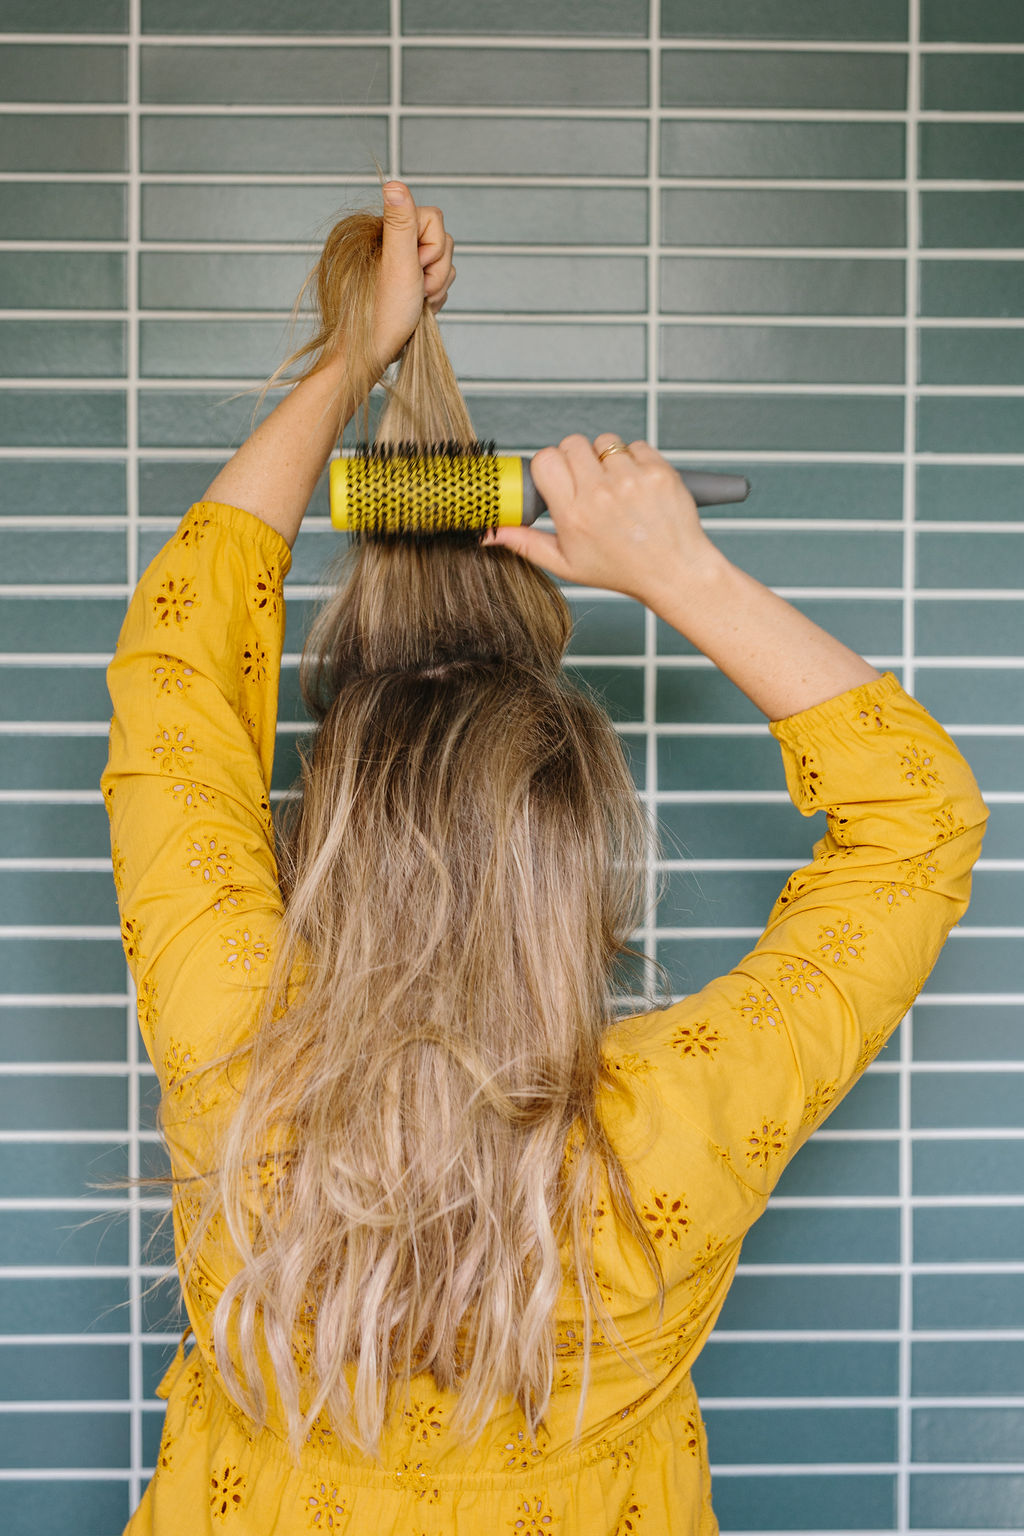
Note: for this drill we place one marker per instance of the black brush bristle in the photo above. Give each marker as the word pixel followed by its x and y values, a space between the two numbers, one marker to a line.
pixel 402 492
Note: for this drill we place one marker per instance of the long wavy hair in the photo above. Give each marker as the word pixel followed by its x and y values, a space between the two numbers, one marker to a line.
pixel 462 867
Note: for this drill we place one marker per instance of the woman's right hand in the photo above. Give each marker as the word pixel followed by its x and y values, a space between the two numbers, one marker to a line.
pixel 627 522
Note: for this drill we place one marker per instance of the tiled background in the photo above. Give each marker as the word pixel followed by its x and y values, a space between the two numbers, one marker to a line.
pixel 775 236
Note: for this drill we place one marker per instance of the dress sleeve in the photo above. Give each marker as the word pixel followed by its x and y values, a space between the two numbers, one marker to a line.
pixel 194 685
pixel 755 1061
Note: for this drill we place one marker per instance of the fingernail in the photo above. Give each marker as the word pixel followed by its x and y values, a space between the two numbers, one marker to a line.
pixel 394 193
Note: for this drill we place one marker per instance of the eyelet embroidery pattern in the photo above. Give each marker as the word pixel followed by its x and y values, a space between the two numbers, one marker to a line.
pixel 192 796
pixel 131 938
pixel 810 776
pixel 873 1043
pixel 947 824
pixel 174 750
pixel 180 1061
pixel 243 950
pixel 534 1515
pixel 838 826
pixel 172 676
pixel 872 719
pixel 518 1454
pixel 119 869
pixel 629 1519
pixel 227 1485
pixel 195 1391
pixel 175 602
pixel 254 662
pixel 322 1435
pixel 892 894
pixel 265 599
pixel 700 1039
pixel 793 889
pixel 920 873
pixel 801 979
pixel 665 1217
pixel 819 1101
pixel 918 767
pixel 229 899
pixel 325 1507
pixel 631 1063
pixel 760 1010
pixel 208 860
pixel 417 1477
pixel 764 1143
pixel 165 1456
pixel 193 528
pixel 145 1007
pixel 841 942
pixel 423 1421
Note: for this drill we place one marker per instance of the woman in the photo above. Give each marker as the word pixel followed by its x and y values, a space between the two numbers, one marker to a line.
pixel 450 1236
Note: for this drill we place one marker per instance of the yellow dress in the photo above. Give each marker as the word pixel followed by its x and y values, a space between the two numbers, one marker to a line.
pixel 722 1088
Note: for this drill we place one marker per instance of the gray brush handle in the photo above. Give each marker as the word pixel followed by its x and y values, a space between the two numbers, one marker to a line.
pixel 707 490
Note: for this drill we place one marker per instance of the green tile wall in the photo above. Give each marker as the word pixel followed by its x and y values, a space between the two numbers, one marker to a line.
pixel 778 238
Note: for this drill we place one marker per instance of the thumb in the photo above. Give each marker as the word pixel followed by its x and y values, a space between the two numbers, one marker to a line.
pixel 400 224
pixel 531 544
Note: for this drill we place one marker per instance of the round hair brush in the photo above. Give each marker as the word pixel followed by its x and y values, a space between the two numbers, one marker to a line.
pixel 402 490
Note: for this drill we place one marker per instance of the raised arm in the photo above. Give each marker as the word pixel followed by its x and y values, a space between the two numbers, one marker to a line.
pixel 275 471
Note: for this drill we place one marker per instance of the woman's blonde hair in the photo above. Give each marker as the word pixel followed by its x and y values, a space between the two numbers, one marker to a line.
pixel 462 868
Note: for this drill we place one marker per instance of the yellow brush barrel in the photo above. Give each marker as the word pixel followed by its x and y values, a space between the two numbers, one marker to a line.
pixel 393 493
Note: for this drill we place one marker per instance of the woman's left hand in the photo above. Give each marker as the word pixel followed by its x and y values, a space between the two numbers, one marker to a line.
pixel 415 268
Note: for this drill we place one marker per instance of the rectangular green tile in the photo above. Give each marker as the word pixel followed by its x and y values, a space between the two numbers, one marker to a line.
pixel 859 82
pixel 44 896
pixel 996 763
pixel 819 557
pixel 62 965
pixel 968 1301
pixel 185 418
pixel 792 1302
pixel 968 627
pixel 971 559
pixel 55 693
pixel 1006 823
pixel 546 352
pixel 966 1434
pixel 524 77
pixel 94 1372
pixel 749 1436
pixel 784 20
pixel 871 625
pixel 537 146
pixel 969 424
pixel 162 1309
pixel 971 82
pixel 781 354
pixel 239 280
pixel 983 21
pixel 736 832
pixel 77 1504
pixel 794 285
pixel 797 423
pixel 54 831
pixel 811 1235
pixel 719 762
pixel 843 1168
pixel 690 964
pixel 713 898
pixel 155 1360
pixel 610 626
pixel 973 695
pixel 971 963
pixel 55 1237
pixel 61 1034
pixel 50 210
pixel 213 349
pixel 86 349
pixel 262 145
pixel 52 761
pixel 966 1168
pixel 971 220
pixel 994 1032
pixel 40 141
pixel 319 17
pixel 66 1440
pixel 855 151
pixel 302 77
pixel 994 894
pixel 64 15
pixel 62 418
pixel 58 72
pixel 840 1368
pixel 972 1100
pixel 63 279
pixel 243 211
pixel 976 288
pixel 808 1502
pixel 779 217
pixel 526 422
pixel 571 18
pixel 563 284
pixel 686 694
pixel 58 1103
pixel 967 1501
pixel 60 624
pixel 618 689
pixel 167 488
pixel 970 151
pixel 971 1368
pixel 984 1234
pixel 62 486
pixel 94 1305
pixel 35 1170
pixel 872 1105
pixel 43 555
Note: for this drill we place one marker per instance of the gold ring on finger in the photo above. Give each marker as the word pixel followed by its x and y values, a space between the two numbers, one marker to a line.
pixel 615 448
